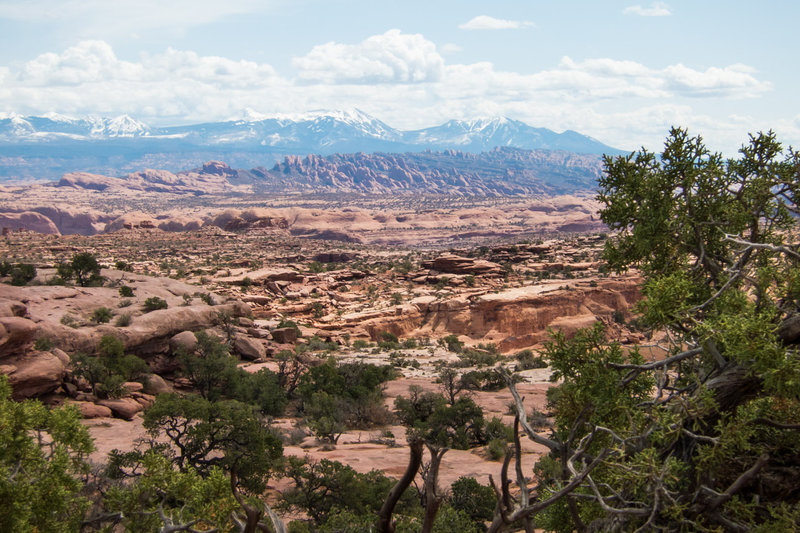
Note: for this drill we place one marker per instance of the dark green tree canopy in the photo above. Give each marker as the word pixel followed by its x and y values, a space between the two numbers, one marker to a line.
pixel 702 437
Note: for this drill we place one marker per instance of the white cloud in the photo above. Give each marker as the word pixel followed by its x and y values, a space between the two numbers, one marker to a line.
pixel 399 78
pixel 656 9
pixel 393 57
pixel 485 22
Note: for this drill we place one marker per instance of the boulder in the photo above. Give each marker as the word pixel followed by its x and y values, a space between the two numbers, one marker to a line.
pixel 133 386
pixel 248 348
pixel 155 385
pixel 12 308
pixel 185 340
pixel 16 334
pixel 145 400
pixel 92 410
pixel 36 374
pixel 284 335
pixel 125 408
pixel 62 355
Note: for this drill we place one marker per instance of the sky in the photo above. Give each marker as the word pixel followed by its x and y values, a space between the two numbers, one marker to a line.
pixel 622 71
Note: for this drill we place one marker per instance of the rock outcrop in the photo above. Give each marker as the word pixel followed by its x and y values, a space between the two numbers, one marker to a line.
pixel 513 319
pixel 454 264
pixel 28 220
pixel 34 374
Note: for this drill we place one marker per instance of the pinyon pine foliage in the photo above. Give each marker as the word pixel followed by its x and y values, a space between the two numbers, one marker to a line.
pixel 707 438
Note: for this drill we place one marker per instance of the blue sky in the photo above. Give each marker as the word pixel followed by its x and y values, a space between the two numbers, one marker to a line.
pixel 620 71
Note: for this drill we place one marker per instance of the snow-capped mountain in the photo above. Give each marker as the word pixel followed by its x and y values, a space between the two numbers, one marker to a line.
pixel 484 134
pixel 52 126
pixel 44 145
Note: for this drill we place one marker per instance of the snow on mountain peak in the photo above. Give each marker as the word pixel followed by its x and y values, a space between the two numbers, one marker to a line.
pixel 120 126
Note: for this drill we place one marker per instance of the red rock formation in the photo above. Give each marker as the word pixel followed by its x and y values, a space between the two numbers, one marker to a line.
pixel 454 264
pixel 28 220
pixel 513 319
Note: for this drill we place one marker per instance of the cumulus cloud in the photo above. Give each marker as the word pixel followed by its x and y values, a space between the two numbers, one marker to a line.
pixel 627 77
pixel 485 22
pixel 397 77
pixel 656 9
pixel 393 57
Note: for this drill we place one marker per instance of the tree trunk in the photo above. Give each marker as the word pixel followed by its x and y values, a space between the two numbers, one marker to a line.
pixel 385 524
pixel 432 499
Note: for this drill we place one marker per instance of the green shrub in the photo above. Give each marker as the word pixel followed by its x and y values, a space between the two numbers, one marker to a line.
pixel 526 360
pixel 154 303
pixel 123 320
pixel 452 343
pixel 70 321
pixel 123 265
pixel 101 315
pixel 388 341
pixel 126 291
pixel 22 273
pixel 469 496
pixel 43 344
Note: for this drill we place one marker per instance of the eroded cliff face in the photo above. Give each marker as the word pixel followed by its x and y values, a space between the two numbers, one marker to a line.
pixel 513 319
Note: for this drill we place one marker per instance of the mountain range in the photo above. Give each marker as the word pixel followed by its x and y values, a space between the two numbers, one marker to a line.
pixel 45 147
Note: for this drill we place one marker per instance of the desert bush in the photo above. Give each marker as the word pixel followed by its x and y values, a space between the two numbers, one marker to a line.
pixel 154 303
pixel 43 344
pixel 22 273
pixel 126 292
pixel 101 315
pixel 526 360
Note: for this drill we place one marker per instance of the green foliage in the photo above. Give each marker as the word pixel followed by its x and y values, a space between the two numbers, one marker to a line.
pixel 126 292
pixel 43 344
pixel 459 425
pixel 469 496
pixel 123 266
pixel 40 485
pixel 226 434
pixel 101 315
pixel 388 341
pixel 590 387
pixel 123 320
pixel 526 360
pixel 64 271
pixel 107 372
pixel 327 488
pixel 182 496
pixel 285 323
pixel 336 396
pixel 452 343
pixel 215 375
pixel 86 269
pixel 154 303
pixel 21 274
pixel 698 440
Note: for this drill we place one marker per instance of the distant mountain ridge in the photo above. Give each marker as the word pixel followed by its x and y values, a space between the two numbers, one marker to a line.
pixel 46 147
pixel 498 172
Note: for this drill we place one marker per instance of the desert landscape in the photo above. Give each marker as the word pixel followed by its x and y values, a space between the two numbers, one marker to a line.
pixel 399 267
pixel 425 285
